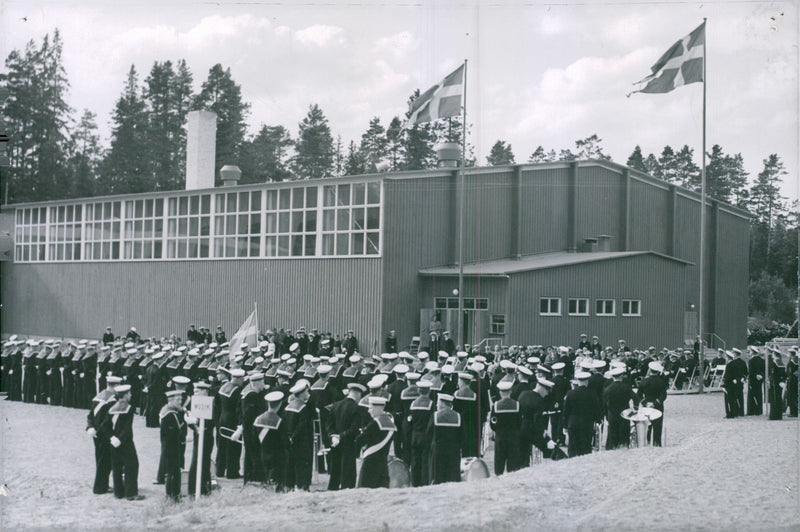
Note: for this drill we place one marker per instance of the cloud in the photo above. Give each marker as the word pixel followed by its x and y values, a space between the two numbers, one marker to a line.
pixel 321 35
pixel 399 45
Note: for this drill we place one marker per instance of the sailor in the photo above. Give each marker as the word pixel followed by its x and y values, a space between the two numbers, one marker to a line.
pixel 375 438
pixel 273 437
pixel 300 426
pixel 229 445
pixel 733 384
pixel 581 412
pixel 755 383
pixel 617 397
pixel 395 406
pixel 344 425
pixel 465 402
pixel 251 404
pixel 418 417
pixel 446 432
pixel 98 426
pixel 201 388
pixel 652 393
pixel 173 431
pixel 505 422
pixel 125 462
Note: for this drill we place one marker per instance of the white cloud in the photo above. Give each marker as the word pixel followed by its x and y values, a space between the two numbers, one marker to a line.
pixel 321 35
pixel 399 45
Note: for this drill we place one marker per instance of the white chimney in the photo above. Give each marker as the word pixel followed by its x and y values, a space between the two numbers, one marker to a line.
pixel 201 143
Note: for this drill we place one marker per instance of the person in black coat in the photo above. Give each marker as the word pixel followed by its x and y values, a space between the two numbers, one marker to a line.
pixel 229 445
pixel 733 384
pixel 251 404
pixel 777 382
pixel 201 388
pixel 445 427
pixel 125 462
pixel 390 344
pixel 652 393
pixel 755 383
pixel 419 415
pixel 343 425
pixel 299 417
pixel 505 422
pixel 173 432
pixel 375 439
pixel 108 336
pixel 98 426
pixel 617 397
pixel 791 383
pixel 273 437
pixel 581 412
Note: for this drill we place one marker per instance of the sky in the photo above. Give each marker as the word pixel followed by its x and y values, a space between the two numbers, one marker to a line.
pixel 538 73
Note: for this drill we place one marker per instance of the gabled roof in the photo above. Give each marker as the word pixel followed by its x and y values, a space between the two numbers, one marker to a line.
pixel 542 261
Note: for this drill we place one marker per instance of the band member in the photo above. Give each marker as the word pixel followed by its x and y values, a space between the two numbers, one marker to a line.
pixel 653 393
pixel 173 431
pixel 344 425
pixel 465 402
pixel 300 425
pixel 376 439
pixel 445 426
pixel 733 384
pixel 777 378
pixel 755 383
pixel 791 382
pixel 229 445
pixel 505 422
pixel 273 437
pixel 125 462
pixel 201 388
pixel 98 426
pixel 419 418
pixel 617 397
pixel 251 404
pixel 581 412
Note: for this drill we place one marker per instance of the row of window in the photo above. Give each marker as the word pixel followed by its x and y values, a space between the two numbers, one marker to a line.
pixel 579 306
pixel 257 224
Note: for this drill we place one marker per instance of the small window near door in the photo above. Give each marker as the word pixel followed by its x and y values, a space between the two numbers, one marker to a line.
pixel 498 324
pixel 631 307
pixel 550 306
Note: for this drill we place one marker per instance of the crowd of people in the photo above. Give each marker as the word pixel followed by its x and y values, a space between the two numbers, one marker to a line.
pixel 296 401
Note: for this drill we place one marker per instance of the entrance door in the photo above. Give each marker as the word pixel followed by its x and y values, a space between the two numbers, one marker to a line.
pixel 476 326
pixel 690 325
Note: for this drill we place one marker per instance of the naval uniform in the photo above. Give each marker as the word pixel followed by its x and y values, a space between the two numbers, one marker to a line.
pixel 755 386
pixel 419 418
pixel 581 412
pixel 465 402
pixel 250 405
pixel 173 432
pixel 616 398
pixel 300 426
pixel 273 437
pixel 376 438
pixel 505 422
pixel 99 420
pixel 125 462
pixel 228 451
pixel 345 421
pixel 445 426
pixel 653 391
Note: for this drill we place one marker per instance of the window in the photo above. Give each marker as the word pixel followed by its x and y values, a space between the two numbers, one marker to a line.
pixel 30 234
pixel 351 219
pixel 237 225
pixel 631 307
pixel 604 307
pixel 291 222
pixel 65 227
pixel 470 303
pixel 102 230
pixel 188 226
pixel 578 306
pixel 498 324
pixel 550 306
pixel 144 229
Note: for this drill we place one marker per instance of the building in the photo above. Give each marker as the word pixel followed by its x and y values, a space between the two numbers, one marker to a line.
pixel 551 251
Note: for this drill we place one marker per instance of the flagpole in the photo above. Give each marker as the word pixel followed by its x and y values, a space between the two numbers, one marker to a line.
pixel 255 305
pixel 701 354
pixel 461 207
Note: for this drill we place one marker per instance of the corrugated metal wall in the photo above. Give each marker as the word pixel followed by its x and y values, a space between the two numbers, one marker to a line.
pixel 599 211
pixel 488 216
pixel 732 276
pixel 650 217
pixel 543 210
pixel 658 283
pixel 161 298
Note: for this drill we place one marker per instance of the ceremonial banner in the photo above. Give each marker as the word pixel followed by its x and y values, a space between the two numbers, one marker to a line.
pixel 440 101
pixel 247 334
pixel 680 65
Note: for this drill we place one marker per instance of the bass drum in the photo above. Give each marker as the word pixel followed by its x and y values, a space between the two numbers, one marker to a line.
pixel 474 469
pixel 399 473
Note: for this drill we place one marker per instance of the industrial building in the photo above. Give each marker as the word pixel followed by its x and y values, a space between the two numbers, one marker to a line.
pixel 551 250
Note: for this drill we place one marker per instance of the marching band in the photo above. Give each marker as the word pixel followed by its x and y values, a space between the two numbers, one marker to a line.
pixel 295 405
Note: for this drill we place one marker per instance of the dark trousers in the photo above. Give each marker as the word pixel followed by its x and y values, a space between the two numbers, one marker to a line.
pixel 755 399
pixel 654 431
pixel 222 453
pixel 55 387
pixel 253 468
pixel 205 479
pixel 731 410
pixel 342 460
pixel 301 462
pixel 580 440
pixel 172 473
pixel 125 465
pixel 103 465
pixel 233 452
pixel 557 427
pixel 420 465
pixel 619 431
pixel 506 447
pixel 274 464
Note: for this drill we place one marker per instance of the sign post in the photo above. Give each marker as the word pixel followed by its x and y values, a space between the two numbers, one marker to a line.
pixel 202 408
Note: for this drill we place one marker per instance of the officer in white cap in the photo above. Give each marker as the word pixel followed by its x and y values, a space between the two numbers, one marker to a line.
pixel 173 433
pixel 343 426
pixel 300 415
pixel 505 422
pixel 581 411
pixel 229 445
pixel 617 397
pixel 652 393
pixel 273 438
pixel 125 462
pixel 375 440
pixel 446 442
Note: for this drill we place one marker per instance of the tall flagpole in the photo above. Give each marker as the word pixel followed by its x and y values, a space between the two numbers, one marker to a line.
pixel 701 354
pixel 461 208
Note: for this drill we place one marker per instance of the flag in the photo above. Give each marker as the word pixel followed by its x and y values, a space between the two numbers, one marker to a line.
pixel 247 334
pixel 440 101
pixel 680 65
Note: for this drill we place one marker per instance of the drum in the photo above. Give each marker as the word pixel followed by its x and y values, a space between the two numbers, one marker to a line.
pixel 399 473
pixel 474 469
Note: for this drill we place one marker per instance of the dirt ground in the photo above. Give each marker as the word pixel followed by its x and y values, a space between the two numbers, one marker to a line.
pixel 713 474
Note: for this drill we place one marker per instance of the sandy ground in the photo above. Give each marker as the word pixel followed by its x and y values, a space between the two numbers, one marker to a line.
pixel 713 474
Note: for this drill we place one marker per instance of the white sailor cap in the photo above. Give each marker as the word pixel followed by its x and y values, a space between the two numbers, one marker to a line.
pixel 355 358
pixel 504 385
pixel 619 370
pixel 463 375
pixel 357 386
pixel 274 397
pixel 432 365
pixel 294 347
pixel 445 397
pixel 173 393
pixel 377 400
pixel 477 366
pixel 113 379
pixel 546 383
pixel 425 384
pixel 300 386
pixel 122 388
pixel 412 376
pixel 180 379
pixel 324 369
pixel 237 373
pixel 533 360
pixel 525 370
pixel 423 355
pixel 400 368
pixel 656 367
pixel 582 375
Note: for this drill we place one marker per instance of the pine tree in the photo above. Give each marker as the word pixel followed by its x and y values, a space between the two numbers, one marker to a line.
pixel 726 178
pixel 220 94
pixel 394 136
pixel 538 155
pixel 374 145
pixel 38 117
pixel 354 164
pixel 687 173
pixel 636 160
pixel 86 156
pixel 265 155
pixel 314 147
pixel 338 157
pixel 126 168
pixel 652 166
pixel 589 148
pixel 417 144
pixel 500 153
pixel 161 121
pixel 667 164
